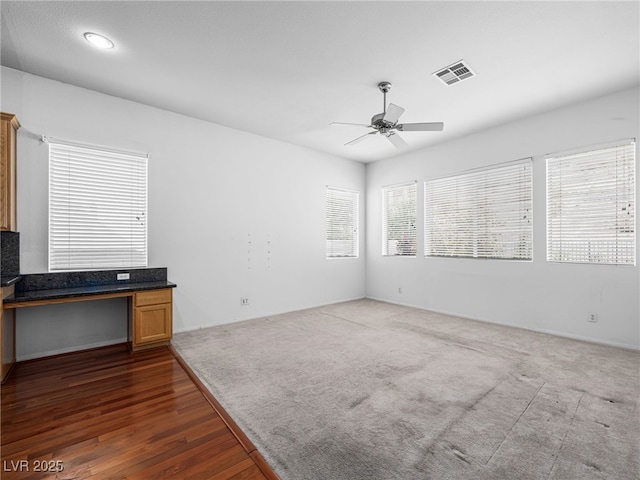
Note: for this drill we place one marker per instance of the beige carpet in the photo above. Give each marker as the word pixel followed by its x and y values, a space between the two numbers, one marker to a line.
pixel 367 390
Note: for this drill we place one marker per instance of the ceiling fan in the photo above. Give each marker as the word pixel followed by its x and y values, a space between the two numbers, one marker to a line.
pixel 386 123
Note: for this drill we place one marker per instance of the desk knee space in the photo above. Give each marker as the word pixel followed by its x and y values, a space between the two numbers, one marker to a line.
pixel 7 336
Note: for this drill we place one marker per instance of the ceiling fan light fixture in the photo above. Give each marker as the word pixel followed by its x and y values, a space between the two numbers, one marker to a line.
pixel 99 41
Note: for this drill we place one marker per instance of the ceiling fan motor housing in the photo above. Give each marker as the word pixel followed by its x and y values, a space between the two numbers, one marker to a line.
pixel 378 122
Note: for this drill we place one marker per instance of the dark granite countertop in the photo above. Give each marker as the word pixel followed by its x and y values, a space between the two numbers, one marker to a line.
pixel 70 292
pixel 6 280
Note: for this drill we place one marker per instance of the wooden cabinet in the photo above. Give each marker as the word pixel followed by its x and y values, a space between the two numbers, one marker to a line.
pixel 151 318
pixel 8 127
pixel 7 336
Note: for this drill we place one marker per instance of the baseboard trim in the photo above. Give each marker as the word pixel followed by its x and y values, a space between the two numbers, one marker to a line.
pixel 267 314
pixel 555 333
pixel 75 349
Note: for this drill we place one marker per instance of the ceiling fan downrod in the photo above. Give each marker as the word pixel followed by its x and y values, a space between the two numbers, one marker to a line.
pixel 384 88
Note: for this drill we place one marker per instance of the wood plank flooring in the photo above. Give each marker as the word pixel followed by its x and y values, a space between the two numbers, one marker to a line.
pixel 109 414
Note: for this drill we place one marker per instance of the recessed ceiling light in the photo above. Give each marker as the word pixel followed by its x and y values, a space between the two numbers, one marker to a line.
pixel 98 40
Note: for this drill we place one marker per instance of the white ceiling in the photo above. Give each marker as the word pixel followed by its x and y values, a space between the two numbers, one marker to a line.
pixel 285 70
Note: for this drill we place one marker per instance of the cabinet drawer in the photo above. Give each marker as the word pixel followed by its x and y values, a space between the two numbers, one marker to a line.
pixel 153 297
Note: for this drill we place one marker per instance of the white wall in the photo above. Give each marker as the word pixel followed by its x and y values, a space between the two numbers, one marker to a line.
pixel 212 190
pixel 231 214
pixel 536 295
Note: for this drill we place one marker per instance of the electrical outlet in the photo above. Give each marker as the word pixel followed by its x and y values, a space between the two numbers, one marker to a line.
pixel 592 317
pixel 399 289
pixel 244 301
pixel 123 276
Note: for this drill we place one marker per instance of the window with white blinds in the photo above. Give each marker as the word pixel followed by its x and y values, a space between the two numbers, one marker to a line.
pixel 399 220
pixel 483 213
pixel 591 206
pixel 342 223
pixel 97 208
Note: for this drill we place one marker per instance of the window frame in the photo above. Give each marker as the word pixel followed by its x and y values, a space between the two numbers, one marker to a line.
pixel 412 225
pixel 609 191
pixel 492 207
pixel 354 197
pixel 98 207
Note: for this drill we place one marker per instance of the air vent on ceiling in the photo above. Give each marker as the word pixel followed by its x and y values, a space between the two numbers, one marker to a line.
pixel 455 73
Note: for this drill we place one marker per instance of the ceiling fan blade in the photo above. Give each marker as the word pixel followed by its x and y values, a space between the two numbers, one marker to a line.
pixel 360 138
pixel 420 127
pixel 397 140
pixel 393 113
pixel 341 124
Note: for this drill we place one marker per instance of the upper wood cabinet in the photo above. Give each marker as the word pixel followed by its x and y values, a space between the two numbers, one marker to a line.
pixel 9 125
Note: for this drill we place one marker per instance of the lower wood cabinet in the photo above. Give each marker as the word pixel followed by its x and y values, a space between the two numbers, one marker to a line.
pixel 150 319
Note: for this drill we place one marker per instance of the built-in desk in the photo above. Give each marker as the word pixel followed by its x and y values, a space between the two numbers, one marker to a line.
pixel 150 307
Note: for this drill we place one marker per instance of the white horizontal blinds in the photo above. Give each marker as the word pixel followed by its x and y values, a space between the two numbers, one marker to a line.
pixel 399 220
pixel 481 214
pixel 97 208
pixel 591 206
pixel 342 223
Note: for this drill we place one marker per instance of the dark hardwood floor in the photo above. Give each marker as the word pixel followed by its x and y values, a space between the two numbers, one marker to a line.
pixel 108 414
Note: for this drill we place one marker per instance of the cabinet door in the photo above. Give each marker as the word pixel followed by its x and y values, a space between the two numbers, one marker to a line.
pixel 152 324
pixel 8 126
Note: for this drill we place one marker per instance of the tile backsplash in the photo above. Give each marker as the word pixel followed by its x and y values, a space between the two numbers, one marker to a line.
pixel 9 253
pixel 89 278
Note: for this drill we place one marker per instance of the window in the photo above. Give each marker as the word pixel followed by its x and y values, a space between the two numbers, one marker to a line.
pixel 399 220
pixel 591 206
pixel 342 223
pixel 483 213
pixel 97 208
